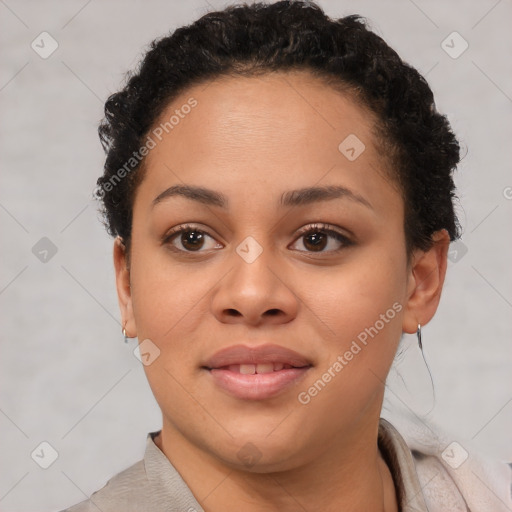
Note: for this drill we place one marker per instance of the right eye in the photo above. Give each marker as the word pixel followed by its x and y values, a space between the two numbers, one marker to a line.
pixel 189 238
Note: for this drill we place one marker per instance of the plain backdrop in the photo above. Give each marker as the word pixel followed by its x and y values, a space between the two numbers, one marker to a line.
pixel 68 379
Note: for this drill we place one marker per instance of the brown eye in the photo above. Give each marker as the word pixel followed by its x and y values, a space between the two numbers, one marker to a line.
pixel 322 239
pixel 190 239
pixel 315 241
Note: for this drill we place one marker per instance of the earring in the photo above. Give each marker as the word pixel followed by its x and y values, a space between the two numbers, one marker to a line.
pixel 124 334
pixel 420 344
pixel 418 334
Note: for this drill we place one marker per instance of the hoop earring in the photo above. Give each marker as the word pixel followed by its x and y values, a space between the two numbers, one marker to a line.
pixel 124 334
pixel 418 334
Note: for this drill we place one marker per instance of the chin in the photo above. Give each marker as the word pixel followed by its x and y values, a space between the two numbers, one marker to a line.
pixel 260 458
pixel 257 452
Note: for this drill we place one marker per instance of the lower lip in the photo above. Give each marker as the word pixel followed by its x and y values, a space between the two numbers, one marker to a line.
pixel 257 386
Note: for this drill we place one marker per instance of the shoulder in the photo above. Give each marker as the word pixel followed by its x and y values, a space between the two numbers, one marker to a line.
pixel 475 484
pixel 150 484
pixel 453 475
pixel 123 490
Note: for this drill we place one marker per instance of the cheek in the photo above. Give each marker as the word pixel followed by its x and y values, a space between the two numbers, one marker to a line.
pixel 357 310
pixel 171 307
pixel 353 296
pixel 165 295
pixel 168 303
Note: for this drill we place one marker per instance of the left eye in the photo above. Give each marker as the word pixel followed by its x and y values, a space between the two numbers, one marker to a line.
pixel 322 239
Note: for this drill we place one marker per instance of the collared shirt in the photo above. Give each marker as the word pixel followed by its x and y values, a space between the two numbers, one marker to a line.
pixel 153 484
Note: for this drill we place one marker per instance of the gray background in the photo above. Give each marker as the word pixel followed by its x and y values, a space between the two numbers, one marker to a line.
pixel 67 377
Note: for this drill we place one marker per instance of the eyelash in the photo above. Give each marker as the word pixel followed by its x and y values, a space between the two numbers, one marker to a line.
pixel 329 230
pixel 313 228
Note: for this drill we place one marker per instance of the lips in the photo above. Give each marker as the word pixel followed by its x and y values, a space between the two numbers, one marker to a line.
pixel 256 373
pixel 242 355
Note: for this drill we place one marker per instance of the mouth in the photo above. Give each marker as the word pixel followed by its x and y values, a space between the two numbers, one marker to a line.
pixel 259 368
pixel 256 373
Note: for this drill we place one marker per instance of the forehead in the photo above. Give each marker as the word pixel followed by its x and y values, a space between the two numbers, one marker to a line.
pixel 274 110
pixel 281 130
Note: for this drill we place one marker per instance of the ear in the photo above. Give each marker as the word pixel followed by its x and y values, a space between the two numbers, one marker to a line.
pixel 425 282
pixel 124 294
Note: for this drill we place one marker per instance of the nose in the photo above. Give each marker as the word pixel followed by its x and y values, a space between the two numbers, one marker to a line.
pixel 255 292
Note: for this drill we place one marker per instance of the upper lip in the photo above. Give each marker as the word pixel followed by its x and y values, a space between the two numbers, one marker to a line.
pixel 243 354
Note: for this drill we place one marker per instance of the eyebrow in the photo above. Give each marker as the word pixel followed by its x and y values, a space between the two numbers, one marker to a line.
pixel 298 197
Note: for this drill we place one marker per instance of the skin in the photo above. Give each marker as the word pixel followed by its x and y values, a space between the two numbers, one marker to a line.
pixel 253 139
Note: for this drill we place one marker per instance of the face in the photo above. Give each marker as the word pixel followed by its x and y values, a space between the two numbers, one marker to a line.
pixel 268 272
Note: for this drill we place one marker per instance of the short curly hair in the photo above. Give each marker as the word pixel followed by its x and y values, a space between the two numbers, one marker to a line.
pixel 246 40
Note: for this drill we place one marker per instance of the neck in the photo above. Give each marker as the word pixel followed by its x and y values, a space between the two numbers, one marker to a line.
pixel 351 472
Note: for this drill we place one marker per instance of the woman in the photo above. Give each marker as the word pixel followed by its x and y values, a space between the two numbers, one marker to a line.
pixel 279 185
